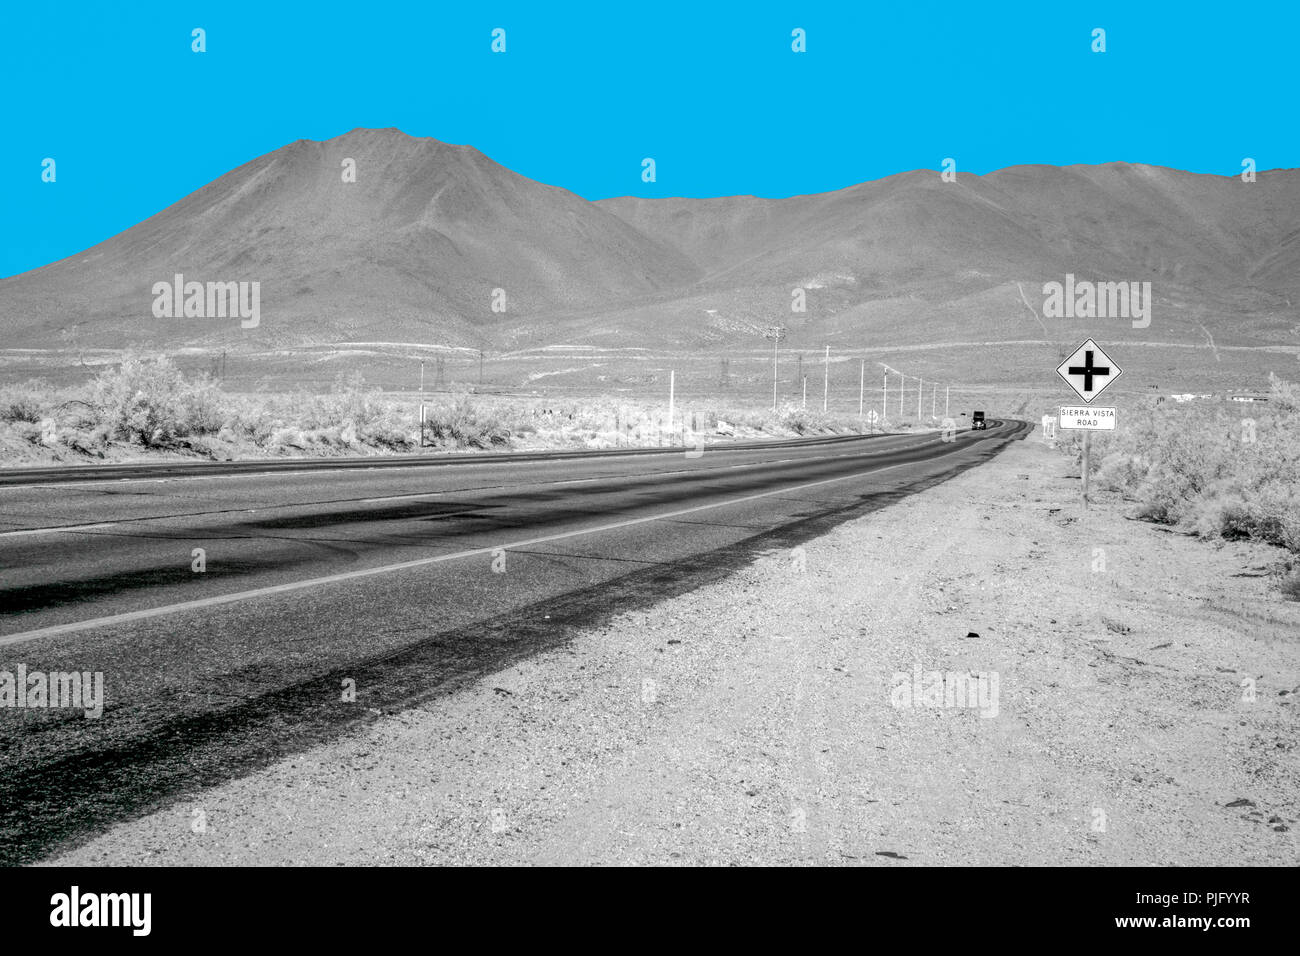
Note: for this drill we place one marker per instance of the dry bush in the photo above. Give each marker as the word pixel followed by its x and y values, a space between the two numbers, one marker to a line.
pixel 27 402
pixel 1204 466
pixel 463 424
pixel 149 402
pixel 1290 585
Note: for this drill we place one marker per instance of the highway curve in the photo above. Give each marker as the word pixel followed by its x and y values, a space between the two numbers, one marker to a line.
pixel 403 578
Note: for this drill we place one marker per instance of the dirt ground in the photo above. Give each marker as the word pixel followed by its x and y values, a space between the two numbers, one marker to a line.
pixel 1145 713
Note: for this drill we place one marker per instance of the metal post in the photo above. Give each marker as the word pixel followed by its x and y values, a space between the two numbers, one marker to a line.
pixel 776 338
pixel 826 386
pixel 672 394
pixel 1085 470
pixel 862 386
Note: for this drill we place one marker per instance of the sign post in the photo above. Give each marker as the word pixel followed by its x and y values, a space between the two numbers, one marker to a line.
pixel 1088 371
pixel 1086 436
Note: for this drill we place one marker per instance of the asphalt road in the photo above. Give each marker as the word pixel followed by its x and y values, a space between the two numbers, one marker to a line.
pixel 404 579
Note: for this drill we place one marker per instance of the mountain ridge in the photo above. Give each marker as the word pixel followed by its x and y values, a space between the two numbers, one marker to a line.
pixel 417 246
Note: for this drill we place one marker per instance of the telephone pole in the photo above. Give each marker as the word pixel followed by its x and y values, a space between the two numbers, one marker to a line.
pixel 776 332
pixel 945 400
pixel 862 386
pixel 421 404
pixel 920 384
pixel 826 385
pixel 672 395
pixel 934 397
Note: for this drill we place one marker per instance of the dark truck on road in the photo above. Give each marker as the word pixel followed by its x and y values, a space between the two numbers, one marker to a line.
pixel 977 422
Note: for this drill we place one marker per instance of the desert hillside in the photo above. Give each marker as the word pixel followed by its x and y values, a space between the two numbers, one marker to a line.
pixel 412 250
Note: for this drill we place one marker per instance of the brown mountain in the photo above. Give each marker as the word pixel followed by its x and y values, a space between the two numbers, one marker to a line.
pixel 412 251
pixel 913 258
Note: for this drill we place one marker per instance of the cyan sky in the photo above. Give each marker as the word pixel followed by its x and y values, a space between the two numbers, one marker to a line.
pixel 135 120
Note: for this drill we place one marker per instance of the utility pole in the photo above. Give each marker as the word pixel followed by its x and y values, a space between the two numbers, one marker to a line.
pixel 480 368
pixel 826 385
pixel 901 380
pixel 805 391
pixel 934 397
pixel 775 331
pixel 884 399
pixel 920 384
pixel 862 386
pixel 945 400
pixel 672 395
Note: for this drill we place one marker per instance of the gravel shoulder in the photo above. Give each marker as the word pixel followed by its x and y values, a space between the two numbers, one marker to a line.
pixel 1145 713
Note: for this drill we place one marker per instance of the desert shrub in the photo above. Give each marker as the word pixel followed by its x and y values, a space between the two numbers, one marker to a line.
pixel 27 402
pixel 1283 395
pixel 1217 470
pixel 462 423
pixel 149 402
pixel 801 420
pixel 740 418
pixel 355 404
pixel 1119 470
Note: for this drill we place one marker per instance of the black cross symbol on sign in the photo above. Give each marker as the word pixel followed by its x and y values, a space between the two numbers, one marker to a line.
pixel 1087 370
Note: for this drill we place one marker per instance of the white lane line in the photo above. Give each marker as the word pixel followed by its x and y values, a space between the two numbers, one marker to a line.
pixel 127 618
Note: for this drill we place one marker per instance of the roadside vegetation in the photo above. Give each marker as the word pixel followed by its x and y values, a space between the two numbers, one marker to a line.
pixel 146 407
pixel 1221 470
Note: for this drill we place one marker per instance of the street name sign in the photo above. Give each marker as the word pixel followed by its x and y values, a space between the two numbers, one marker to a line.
pixel 1091 417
